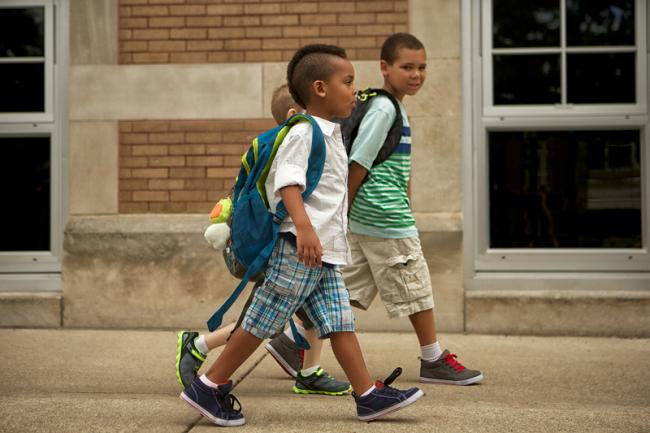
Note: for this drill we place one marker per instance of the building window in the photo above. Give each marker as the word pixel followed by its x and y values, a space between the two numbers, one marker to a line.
pixel 560 136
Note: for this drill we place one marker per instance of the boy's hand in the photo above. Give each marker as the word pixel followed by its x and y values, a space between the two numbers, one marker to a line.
pixel 308 247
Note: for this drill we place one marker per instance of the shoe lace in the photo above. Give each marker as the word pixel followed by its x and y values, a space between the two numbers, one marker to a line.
pixel 452 361
pixel 229 402
pixel 385 384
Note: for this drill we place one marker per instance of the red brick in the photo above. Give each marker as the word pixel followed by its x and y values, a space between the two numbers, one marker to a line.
pixel 338 30
pixel 226 56
pixel 188 196
pixel 133 161
pixel 342 7
pixel 261 9
pixel 150 196
pixel 243 21
pixel 393 18
pixel 204 184
pixel 125 173
pixel 193 57
pixel 204 21
pixel 263 32
pixel 166 46
pixel 374 6
pixel 150 58
pixel 202 137
pixel 401 6
pixel 189 33
pixel 204 161
pixel 367 53
pixel 375 29
pixel 154 184
pixel 321 40
pixel 280 20
pixel 165 2
pixel 133 23
pixel 204 45
pixel 243 44
pixel 125 150
pixel 150 126
pixel 238 137
pixel 131 184
pixel 317 19
pixel 400 28
pixel 151 34
pixel 300 8
pixel 187 172
pixel 150 172
pixel 133 207
pixel 168 207
pixel 300 31
pixel 167 22
pixel 232 161
pixel 187 149
pixel 125 126
pixel 194 125
pixel 125 58
pixel 258 124
pixel 225 149
pixel 187 10
pixel 284 43
pixel 124 196
pixel 226 33
pixel 149 150
pixel 167 161
pixel 134 138
pixel 263 56
pixel 126 34
pixel 359 42
pixel 367 18
pixel 223 172
pixel 133 2
pixel 225 9
pixel 201 206
pixel 169 137
pixel 149 10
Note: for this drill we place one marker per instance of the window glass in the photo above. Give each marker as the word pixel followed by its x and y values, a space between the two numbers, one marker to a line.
pixel 21 32
pixel 526 23
pixel 601 78
pixel 22 87
pixel 600 22
pixel 25 191
pixel 526 79
pixel 565 189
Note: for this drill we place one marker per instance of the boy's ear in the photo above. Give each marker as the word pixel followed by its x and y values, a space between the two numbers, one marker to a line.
pixel 291 112
pixel 383 67
pixel 320 88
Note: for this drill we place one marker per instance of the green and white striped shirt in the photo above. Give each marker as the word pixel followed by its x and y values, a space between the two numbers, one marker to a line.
pixel 381 207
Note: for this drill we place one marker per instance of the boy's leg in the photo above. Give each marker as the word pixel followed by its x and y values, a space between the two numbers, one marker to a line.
pixel 239 348
pixel 348 353
pixel 312 355
pixel 402 277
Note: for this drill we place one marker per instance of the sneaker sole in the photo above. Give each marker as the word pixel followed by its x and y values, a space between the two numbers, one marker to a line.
pixel 409 401
pixel 309 391
pixel 280 360
pixel 469 381
pixel 208 415
pixel 179 349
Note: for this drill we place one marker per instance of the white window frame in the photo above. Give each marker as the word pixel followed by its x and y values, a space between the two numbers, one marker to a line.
pixel 41 270
pixel 541 268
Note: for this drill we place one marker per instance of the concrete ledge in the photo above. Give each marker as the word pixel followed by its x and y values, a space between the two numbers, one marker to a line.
pixel 157 271
pixel 30 310
pixel 594 313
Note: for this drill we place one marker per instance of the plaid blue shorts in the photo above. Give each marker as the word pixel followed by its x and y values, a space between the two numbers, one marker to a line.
pixel 288 285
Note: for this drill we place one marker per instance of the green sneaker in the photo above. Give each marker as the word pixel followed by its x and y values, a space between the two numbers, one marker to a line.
pixel 188 358
pixel 320 382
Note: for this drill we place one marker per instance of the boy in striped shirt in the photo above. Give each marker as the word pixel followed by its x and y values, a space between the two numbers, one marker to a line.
pixel 386 253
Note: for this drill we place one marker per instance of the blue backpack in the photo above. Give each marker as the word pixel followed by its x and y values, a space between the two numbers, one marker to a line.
pixel 254 229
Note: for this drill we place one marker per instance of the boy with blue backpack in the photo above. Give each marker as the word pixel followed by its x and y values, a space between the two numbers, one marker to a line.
pixel 303 365
pixel 306 191
pixel 386 253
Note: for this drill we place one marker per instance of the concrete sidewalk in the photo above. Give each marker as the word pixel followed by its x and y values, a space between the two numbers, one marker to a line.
pixel 123 381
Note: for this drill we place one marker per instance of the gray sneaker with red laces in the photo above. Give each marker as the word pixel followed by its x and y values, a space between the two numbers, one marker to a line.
pixel 447 370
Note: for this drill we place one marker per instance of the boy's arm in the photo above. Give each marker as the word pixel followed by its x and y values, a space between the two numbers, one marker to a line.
pixel 308 245
pixel 356 175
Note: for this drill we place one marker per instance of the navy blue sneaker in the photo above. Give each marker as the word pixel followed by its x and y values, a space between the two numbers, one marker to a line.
pixel 217 405
pixel 385 399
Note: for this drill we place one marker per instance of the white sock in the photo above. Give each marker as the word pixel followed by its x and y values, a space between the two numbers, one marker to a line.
pixel 199 343
pixel 208 382
pixel 289 334
pixel 309 371
pixel 431 352
pixel 371 389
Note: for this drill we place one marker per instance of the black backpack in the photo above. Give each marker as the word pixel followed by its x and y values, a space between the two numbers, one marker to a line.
pixel 350 125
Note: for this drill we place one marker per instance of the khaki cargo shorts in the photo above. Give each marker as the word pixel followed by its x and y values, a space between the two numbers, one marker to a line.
pixel 394 268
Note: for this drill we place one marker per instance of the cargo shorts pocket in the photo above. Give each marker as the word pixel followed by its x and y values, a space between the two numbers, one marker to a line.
pixel 408 277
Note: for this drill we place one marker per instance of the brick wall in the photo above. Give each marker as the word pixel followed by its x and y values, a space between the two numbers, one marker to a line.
pixel 214 31
pixel 177 166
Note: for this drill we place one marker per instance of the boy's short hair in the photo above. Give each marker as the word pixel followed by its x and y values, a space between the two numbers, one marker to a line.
pixel 281 103
pixel 396 42
pixel 311 63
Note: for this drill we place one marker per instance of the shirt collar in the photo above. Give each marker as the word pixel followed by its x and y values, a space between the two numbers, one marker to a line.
pixel 326 126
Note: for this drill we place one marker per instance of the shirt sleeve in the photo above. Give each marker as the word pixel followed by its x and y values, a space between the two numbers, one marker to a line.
pixel 290 162
pixel 373 131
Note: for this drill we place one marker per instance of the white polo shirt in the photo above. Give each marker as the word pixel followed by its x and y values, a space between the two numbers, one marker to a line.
pixel 327 206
